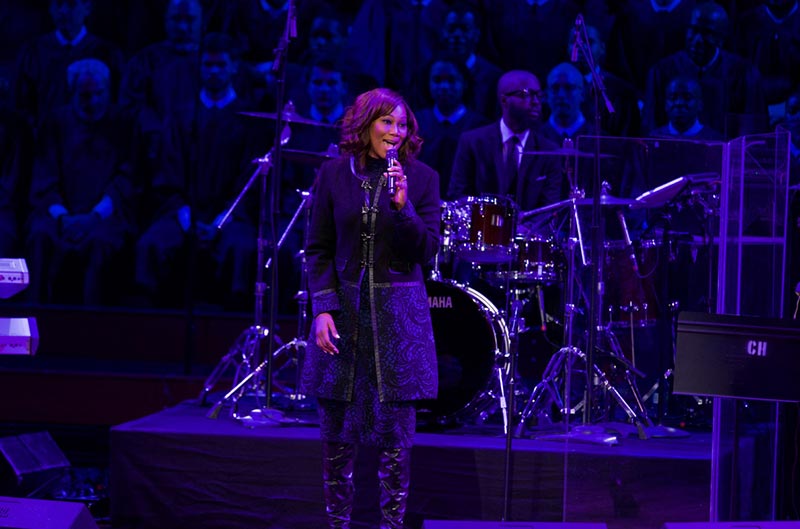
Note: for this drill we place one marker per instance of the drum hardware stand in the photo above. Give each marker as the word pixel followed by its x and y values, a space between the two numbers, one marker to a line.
pixel 565 358
pixel 661 387
pixel 252 338
pixel 245 351
pixel 251 380
pixel 516 327
pixel 639 418
pixel 241 353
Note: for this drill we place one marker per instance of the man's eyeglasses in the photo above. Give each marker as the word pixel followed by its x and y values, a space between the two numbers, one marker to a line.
pixel 526 93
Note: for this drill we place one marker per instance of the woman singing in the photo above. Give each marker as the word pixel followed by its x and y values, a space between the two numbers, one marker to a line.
pixel 371 352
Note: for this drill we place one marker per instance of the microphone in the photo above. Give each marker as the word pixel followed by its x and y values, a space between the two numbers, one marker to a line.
pixel 391 156
pixel 576 35
pixel 628 243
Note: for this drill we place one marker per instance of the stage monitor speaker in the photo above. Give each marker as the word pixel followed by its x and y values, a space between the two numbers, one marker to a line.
pixel 14 276
pixel 461 524
pixel 18 336
pixel 24 513
pixel 732 525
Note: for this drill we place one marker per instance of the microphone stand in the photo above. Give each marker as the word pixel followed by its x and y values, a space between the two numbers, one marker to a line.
pixel 279 70
pixel 598 90
pixel 251 339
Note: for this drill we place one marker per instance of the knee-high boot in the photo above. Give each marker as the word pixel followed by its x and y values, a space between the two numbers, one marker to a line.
pixel 337 476
pixel 394 472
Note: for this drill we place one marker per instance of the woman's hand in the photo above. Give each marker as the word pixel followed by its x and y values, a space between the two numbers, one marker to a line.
pixel 325 333
pixel 400 185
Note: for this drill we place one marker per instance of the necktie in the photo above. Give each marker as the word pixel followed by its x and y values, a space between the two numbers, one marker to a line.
pixel 512 163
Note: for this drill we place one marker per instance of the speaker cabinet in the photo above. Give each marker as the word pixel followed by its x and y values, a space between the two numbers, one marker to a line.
pixel 732 525
pixel 23 513
pixel 460 524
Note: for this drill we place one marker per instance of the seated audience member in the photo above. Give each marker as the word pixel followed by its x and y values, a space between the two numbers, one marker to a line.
pixel 164 74
pixel 460 37
pixel 325 44
pixel 409 32
pixel 20 22
pixel 130 24
pixel 564 97
pixel 529 35
pixel 308 147
pixel 731 85
pixel 683 104
pixel 258 27
pixel 40 83
pixel 82 191
pixel 768 35
pixel 643 33
pixel 206 162
pixel 16 142
pixel 440 125
pixel 626 119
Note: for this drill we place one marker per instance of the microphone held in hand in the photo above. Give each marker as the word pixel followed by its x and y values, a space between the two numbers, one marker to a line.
pixel 391 157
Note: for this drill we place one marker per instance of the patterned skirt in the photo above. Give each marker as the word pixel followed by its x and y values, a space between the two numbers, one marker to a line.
pixel 365 420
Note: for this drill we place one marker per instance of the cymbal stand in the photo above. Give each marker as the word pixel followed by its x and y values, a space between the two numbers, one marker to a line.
pixel 638 415
pixel 547 391
pixel 516 327
pixel 241 354
pixel 564 358
pixel 245 351
pixel 302 295
pixel 251 380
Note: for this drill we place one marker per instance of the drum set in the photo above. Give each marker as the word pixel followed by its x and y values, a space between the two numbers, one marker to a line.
pixel 506 282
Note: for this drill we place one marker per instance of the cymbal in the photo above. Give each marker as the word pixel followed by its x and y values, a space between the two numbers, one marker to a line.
pixel 307 157
pixel 605 200
pixel 289 117
pixel 567 152
pixel 661 195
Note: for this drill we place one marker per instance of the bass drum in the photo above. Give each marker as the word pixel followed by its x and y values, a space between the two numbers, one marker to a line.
pixel 472 342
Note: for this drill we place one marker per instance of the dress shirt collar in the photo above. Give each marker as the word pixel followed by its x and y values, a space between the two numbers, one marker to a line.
pixel 267 7
pixel 335 114
pixel 694 130
pixel 571 129
pixel 452 118
pixel 776 19
pixel 506 133
pixel 74 42
pixel 668 8
pixel 227 99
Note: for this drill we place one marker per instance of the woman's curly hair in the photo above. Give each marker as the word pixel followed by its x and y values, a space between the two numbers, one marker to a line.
pixel 358 118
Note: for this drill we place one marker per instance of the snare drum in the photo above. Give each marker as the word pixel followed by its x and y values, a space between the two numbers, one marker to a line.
pixel 485 228
pixel 630 297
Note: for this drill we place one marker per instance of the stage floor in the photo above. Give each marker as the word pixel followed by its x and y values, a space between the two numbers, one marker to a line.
pixel 178 469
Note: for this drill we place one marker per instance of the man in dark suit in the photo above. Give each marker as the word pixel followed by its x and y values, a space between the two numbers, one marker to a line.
pixel 491 159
